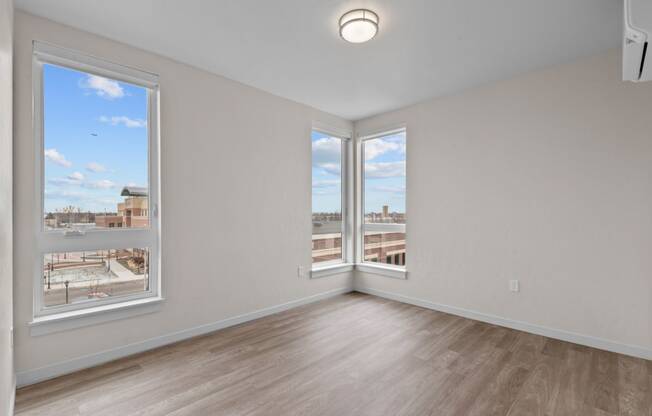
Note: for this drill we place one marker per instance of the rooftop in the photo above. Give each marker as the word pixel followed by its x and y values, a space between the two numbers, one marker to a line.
pixel 134 191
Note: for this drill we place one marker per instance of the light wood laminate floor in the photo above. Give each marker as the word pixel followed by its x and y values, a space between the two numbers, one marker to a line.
pixel 355 355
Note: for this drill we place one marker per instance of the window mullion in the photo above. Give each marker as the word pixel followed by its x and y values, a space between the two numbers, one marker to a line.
pixel 58 242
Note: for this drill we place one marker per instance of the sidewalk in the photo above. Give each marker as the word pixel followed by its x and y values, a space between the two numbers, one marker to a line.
pixel 121 271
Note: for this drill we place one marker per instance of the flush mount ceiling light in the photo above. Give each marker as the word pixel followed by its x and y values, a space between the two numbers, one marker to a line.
pixel 358 26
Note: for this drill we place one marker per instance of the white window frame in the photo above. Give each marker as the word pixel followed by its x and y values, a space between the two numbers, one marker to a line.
pixel 49 241
pixel 389 270
pixel 345 263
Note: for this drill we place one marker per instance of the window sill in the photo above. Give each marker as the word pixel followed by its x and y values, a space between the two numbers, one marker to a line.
pixel 330 270
pixel 394 272
pixel 49 324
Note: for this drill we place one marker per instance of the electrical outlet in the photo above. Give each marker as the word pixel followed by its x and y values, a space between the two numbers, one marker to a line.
pixel 514 286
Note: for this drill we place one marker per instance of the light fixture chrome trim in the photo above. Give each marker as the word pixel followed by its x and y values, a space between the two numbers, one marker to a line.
pixel 359 15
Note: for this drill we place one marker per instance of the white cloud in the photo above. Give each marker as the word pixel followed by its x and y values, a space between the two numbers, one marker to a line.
pixel 54 156
pixel 384 170
pixel 332 168
pixel 377 147
pixel 124 120
pixel 62 181
pixel 320 192
pixel 101 184
pixel 95 167
pixel 326 150
pixel 63 194
pixel 86 201
pixel 390 189
pixel 326 183
pixel 76 176
pixel 103 87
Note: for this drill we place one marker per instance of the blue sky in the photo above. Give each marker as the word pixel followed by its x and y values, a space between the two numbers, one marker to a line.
pixel 95 139
pixel 384 173
pixel 326 173
pixel 384 176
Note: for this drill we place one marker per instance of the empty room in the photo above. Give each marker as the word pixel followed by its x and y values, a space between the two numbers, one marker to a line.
pixel 325 207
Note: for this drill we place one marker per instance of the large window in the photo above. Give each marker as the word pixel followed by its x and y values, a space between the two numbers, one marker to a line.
pixel 97 142
pixel 383 199
pixel 329 238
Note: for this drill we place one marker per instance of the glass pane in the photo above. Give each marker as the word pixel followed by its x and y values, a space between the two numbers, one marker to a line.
pixel 384 179
pixel 85 276
pixel 326 198
pixel 95 151
pixel 384 247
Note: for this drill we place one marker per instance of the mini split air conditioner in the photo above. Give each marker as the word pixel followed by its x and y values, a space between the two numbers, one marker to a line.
pixel 637 36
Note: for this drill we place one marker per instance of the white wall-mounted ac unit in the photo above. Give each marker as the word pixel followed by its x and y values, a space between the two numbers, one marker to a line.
pixel 638 33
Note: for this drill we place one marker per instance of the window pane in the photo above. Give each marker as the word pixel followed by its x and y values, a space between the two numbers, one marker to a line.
pixel 326 198
pixel 384 247
pixel 95 151
pixel 384 179
pixel 76 277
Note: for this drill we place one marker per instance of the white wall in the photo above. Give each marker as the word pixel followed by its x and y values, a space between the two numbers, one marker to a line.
pixel 545 178
pixel 6 307
pixel 236 195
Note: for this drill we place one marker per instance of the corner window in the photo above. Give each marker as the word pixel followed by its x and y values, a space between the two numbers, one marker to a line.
pixel 329 200
pixel 97 158
pixel 383 199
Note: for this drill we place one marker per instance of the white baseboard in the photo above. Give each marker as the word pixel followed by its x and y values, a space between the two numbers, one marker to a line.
pixel 589 341
pixel 28 377
pixel 36 375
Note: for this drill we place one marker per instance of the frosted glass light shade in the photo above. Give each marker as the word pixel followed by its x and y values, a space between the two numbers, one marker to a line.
pixel 358 26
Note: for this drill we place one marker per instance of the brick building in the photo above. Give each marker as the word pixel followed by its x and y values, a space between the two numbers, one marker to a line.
pixel 133 212
pixel 381 247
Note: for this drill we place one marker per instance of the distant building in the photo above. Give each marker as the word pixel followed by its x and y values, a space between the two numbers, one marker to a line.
pixel 385 217
pixel 388 248
pixel 51 220
pixel 133 212
pixel 68 217
pixel 326 237
pixel 379 247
